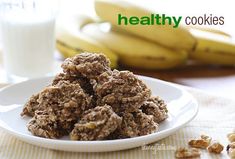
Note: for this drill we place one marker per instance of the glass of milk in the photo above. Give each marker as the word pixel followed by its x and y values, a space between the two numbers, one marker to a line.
pixel 28 38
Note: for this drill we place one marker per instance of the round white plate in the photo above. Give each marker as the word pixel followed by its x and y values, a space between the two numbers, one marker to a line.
pixel 182 109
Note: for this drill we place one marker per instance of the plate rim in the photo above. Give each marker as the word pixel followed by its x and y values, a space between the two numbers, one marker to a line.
pixel 163 133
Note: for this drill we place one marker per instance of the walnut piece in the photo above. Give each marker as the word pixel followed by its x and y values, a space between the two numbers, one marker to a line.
pixel 187 153
pixel 215 147
pixel 96 124
pixel 206 137
pixel 231 137
pixel 202 143
pixel 231 150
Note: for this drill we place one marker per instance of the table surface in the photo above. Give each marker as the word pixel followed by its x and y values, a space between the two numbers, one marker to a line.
pixel 212 79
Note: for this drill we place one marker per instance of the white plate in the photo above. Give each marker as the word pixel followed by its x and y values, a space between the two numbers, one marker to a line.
pixel 182 109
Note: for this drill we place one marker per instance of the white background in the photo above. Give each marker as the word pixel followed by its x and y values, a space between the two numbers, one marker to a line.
pixel 170 7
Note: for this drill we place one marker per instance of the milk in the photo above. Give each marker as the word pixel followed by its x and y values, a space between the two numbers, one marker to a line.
pixel 28 44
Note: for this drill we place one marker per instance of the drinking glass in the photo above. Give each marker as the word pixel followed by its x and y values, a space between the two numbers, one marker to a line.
pixel 28 38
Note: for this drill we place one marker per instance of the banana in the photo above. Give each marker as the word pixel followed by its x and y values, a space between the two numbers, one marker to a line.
pixel 134 51
pixel 210 30
pixel 71 41
pixel 175 38
pixel 67 51
pixel 213 48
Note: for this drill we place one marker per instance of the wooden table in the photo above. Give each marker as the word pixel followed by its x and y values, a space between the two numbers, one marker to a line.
pixel 216 80
pixel 213 79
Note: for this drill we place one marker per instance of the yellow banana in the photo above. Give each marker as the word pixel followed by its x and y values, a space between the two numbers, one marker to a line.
pixel 210 30
pixel 134 51
pixel 175 38
pixel 67 51
pixel 71 41
pixel 213 48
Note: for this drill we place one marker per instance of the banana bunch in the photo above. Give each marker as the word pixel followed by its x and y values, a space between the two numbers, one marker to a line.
pixel 134 51
pixel 71 41
pixel 213 48
pixel 164 35
pixel 141 47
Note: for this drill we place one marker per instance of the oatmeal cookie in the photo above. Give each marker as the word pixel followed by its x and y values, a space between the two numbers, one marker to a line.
pixel 122 90
pixel 89 101
pixel 64 77
pixel 157 107
pixel 59 82
pixel 96 124
pixel 64 96
pixel 68 100
pixel 31 106
pixel 84 82
pixel 136 124
pixel 44 125
pixel 65 103
pixel 88 65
